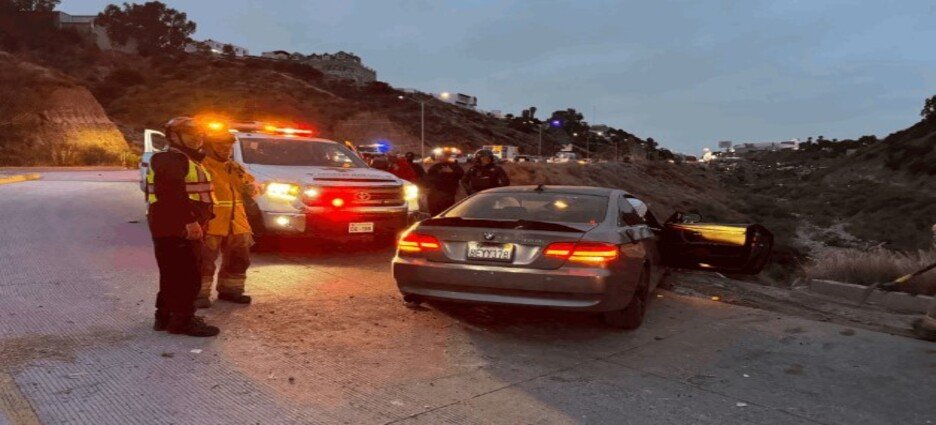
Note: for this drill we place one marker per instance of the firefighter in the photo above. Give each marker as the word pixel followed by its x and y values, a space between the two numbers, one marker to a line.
pixel 229 234
pixel 484 174
pixel 442 182
pixel 180 197
pixel 401 168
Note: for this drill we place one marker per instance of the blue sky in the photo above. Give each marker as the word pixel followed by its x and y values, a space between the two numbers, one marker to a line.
pixel 688 73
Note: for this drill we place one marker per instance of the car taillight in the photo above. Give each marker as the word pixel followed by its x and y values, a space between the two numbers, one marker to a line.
pixel 415 242
pixel 583 252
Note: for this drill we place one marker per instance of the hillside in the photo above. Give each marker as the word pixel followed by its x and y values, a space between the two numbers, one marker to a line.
pixel 665 187
pixel 884 193
pixel 49 119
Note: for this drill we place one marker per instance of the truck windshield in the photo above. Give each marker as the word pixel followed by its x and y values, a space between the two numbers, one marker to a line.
pixel 297 152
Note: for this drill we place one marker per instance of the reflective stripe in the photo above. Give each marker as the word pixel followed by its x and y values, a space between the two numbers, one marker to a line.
pixel 197 184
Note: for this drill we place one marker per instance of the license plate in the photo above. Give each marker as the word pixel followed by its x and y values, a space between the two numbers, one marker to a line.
pixel 490 252
pixel 361 227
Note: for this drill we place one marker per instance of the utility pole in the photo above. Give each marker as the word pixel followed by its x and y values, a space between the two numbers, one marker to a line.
pixel 540 151
pixel 422 124
pixel 422 130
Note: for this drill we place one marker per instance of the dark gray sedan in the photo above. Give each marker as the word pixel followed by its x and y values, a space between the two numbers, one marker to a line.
pixel 575 248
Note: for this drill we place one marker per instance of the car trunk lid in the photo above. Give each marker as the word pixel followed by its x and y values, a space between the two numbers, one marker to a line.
pixel 503 243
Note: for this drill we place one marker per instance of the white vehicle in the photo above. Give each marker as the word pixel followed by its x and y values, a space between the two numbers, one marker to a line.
pixel 503 152
pixel 311 186
pixel 563 157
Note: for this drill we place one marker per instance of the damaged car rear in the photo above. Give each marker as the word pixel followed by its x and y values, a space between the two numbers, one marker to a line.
pixel 565 247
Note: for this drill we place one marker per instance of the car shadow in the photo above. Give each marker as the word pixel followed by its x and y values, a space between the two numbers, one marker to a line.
pixel 527 322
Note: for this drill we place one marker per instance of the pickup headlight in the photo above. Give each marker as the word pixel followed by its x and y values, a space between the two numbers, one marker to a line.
pixel 282 191
pixel 410 192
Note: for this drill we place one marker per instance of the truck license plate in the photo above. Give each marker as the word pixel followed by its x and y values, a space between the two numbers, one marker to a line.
pixel 490 252
pixel 361 227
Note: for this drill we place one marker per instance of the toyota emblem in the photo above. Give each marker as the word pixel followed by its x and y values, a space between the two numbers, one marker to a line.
pixel 489 236
pixel 362 196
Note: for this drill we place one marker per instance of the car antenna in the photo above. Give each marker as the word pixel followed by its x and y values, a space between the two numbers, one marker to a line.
pixel 539 187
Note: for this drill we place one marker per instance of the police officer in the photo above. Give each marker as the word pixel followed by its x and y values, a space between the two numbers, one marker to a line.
pixel 180 198
pixel 484 174
pixel 442 182
pixel 229 234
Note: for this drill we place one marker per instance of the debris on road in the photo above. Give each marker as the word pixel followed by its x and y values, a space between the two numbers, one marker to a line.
pixel 196 351
pixel 168 355
pixel 741 404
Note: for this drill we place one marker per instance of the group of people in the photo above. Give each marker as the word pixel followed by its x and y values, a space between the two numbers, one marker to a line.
pixel 197 198
pixel 445 175
pixel 196 195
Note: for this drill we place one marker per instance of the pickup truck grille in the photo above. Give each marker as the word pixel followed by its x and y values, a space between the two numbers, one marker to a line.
pixel 359 196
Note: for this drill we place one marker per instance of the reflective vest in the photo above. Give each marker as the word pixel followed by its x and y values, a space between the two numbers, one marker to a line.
pixel 197 184
pixel 230 215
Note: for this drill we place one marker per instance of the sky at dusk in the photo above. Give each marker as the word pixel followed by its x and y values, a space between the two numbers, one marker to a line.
pixel 687 73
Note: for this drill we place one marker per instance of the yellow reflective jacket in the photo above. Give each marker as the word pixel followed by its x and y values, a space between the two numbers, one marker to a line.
pixel 230 182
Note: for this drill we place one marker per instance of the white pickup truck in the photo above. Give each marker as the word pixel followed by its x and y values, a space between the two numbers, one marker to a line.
pixel 312 187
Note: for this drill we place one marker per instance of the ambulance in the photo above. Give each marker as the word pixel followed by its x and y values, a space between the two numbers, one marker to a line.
pixel 311 187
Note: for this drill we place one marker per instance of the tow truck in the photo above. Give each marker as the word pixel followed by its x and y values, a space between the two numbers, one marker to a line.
pixel 311 187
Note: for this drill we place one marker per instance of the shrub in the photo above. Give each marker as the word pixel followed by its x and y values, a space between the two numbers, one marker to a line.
pixel 874 265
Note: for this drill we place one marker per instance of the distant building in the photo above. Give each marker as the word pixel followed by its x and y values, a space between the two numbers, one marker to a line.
pixel 459 99
pixel 277 54
pixel 767 146
pixel 341 65
pixel 215 47
pixel 85 26
pixel 599 129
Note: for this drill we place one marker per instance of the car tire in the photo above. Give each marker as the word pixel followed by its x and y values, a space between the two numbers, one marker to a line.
pixel 632 315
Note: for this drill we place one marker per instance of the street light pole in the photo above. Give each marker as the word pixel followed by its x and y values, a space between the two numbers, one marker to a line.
pixel 422 124
pixel 422 130
pixel 540 151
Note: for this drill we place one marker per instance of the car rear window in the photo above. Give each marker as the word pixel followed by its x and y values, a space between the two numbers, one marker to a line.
pixel 533 206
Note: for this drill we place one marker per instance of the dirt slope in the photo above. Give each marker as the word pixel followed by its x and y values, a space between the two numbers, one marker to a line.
pixel 50 120
pixel 665 187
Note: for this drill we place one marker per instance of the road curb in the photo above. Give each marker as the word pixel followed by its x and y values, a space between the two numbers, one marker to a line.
pixel 17 178
pixel 896 301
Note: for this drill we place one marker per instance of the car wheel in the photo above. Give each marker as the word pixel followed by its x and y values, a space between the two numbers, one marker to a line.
pixel 631 317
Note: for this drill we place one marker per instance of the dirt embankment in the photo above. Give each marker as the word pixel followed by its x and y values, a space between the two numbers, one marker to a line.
pixel 665 187
pixel 50 120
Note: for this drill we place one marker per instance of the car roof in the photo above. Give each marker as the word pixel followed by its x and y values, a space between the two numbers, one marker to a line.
pixel 571 190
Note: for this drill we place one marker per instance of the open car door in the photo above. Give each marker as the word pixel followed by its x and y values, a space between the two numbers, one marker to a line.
pixel 153 141
pixel 730 248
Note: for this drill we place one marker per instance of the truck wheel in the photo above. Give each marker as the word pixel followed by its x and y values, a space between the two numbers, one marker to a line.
pixel 631 317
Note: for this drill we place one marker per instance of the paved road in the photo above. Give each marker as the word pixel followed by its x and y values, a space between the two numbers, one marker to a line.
pixel 328 341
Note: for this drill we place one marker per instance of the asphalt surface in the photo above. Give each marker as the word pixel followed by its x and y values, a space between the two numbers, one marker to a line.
pixel 328 340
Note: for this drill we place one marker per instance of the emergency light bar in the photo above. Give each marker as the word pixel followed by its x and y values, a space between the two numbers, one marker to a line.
pixel 261 127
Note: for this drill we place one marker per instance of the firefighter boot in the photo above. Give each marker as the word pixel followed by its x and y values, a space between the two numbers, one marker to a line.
pixel 231 289
pixel 234 298
pixel 192 326
pixel 204 293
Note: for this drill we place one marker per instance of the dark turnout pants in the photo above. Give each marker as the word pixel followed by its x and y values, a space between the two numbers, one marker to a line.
pixel 439 201
pixel 179 275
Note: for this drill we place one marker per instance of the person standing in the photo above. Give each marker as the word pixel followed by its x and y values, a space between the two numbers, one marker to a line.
pixel 417 166
pixel 401 168
pixel 484 174
pixel 229 234
pixel 180 198
pixel 442 182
